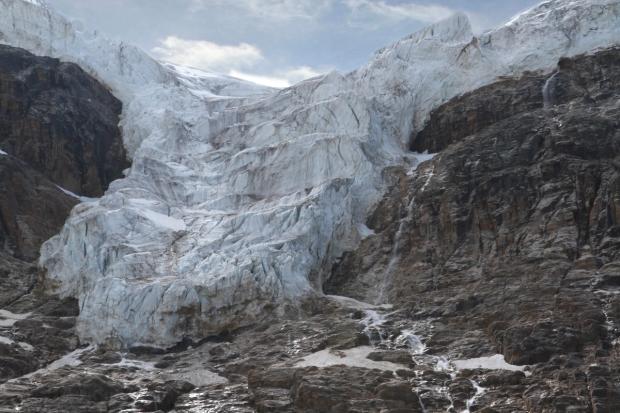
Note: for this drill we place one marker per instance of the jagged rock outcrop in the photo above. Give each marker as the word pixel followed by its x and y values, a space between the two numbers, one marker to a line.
pixel 60 121
pixel 32 208
pixel 508 240
pixel 479 109
pixel 58 129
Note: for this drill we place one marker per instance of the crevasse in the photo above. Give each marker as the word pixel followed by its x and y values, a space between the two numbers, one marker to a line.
pixel 239 197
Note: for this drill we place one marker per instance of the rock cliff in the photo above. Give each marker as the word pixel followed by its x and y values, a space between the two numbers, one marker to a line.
pixel 58 131
pixel 60 121
pixel 507 240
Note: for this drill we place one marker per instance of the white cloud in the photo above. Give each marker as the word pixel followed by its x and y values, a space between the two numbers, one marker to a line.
pixel 280 79
pixel 373 13
pixel 207 55
pixel 301 73
pixel 270 81
pixel 237 61
pixel 271 9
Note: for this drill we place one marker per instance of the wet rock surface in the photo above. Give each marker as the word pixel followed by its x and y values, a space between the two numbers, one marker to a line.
pixel 256 369
pixel 507 240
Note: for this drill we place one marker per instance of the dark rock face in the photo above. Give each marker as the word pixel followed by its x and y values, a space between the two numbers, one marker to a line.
pixel 508 241
pixel 331 390
pixel 32 208
pixel 58 127
pixel 474 111
pixel 60 121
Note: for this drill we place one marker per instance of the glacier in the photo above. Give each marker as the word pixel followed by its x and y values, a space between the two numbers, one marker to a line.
pixel 240 198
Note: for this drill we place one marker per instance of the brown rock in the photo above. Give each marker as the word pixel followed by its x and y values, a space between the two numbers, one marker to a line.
pixel 60 121
pixel 397 390
pixel 506 240
pixel 394 356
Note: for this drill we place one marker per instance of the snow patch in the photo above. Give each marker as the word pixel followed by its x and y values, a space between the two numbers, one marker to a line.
pixel 416 158
pixel 198 377
pixel 364 231
pixel 351 303
pixel 355 357
pixel 26 346
pixel 496 362
pixel 3 153
pixel 6 340
pixel 165 221
pixel 138 364
pixel 76 196
pixel 69 360
pixel 8 319
pixel 10 342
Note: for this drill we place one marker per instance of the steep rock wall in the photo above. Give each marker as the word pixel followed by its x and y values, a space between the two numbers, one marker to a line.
pixel 507 240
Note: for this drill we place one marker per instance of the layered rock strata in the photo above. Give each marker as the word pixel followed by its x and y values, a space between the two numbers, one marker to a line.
pixel 507 240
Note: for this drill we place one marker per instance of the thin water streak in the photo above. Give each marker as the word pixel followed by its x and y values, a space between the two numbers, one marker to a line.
pixel 548 90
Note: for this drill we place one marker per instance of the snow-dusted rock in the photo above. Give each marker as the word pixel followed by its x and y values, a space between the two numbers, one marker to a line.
pixel 236 203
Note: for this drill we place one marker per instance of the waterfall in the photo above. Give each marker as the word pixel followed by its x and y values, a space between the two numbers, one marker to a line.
pixel 398 238
pixel 479 391
pixel 547 90
pixel 394 256
pixel 373 327
pixel 412 341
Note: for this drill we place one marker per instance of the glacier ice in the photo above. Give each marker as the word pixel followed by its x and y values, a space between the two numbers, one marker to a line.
pixel 239 197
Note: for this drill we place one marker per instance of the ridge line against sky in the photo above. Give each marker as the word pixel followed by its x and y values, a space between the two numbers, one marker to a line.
pixel 274 42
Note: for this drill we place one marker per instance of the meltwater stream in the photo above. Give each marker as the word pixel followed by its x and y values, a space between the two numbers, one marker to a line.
pixel 547 90
pixel 415 159
pixel 394 257
pixel 382 337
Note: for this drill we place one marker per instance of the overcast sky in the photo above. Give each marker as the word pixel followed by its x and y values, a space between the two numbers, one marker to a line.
pixel 274 42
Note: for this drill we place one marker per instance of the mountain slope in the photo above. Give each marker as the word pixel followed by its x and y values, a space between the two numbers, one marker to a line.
pixel 232 206
pixel 488 270
pixel 58 131
pixel 507 241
